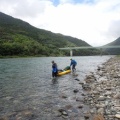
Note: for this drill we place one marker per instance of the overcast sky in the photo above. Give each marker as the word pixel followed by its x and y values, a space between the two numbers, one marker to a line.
pixel 97 22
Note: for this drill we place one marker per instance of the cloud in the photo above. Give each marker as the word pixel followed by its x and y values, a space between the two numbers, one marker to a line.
pixel 65 1
pixel 24 8
pixel 114 29
pixel 94 21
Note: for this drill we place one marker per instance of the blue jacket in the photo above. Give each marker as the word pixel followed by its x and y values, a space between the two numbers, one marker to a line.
pixel 54 68
pixel 73 62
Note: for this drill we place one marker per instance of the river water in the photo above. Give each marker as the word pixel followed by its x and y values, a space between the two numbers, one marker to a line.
pixel 27 91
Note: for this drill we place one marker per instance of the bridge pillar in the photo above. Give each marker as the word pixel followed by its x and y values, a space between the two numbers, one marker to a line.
pixel 71 52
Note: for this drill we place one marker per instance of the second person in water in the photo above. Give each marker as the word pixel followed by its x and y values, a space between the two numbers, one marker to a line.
pixel 73 64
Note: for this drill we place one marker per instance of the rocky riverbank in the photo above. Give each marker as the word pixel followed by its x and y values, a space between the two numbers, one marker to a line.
pixel 101 94
pixel 104 90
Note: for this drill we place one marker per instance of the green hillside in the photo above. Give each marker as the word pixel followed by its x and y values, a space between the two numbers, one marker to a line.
pixel 20 38
pixel 113 51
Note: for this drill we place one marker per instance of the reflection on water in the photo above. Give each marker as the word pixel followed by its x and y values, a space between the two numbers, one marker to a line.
pixel 28 92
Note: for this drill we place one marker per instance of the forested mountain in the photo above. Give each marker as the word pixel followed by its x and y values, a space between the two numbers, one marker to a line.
pixel 113 51
pixel 20 38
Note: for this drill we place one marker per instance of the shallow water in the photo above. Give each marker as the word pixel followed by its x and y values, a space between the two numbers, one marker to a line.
pixel 28 92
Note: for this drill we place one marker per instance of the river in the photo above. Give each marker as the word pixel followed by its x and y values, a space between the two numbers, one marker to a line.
pixel 27 91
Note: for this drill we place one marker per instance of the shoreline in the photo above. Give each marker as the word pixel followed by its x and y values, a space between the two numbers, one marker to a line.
pixel 104 91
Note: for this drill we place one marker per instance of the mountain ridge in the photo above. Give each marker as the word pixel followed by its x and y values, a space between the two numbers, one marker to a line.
pixel 20 38
pixel 113 51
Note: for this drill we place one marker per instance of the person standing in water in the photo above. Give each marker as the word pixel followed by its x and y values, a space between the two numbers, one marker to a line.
pixel 54 69
pixel 73 64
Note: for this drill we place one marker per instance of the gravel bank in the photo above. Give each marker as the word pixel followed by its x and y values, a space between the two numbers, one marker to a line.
pixel 104 91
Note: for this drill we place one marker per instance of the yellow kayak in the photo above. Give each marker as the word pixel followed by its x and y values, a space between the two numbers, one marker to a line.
pixel 63 72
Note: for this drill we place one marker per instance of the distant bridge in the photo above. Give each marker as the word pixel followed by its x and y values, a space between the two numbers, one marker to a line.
pixel 86 47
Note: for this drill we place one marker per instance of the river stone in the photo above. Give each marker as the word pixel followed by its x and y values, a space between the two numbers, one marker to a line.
pixel 68 106
pixel 117 96
pixel 87 116
pixel 80 106
pixel 108 88
pixel 77 79
pixel 80 99
pixel 93 110
pixel 96 93
pixel 100 111
pixel 75 91
pixel 101 98
pixel 8 98
pixel 65 113
pixel 63 95
pixel 57 114
pixel 117 115
pixel 100 105
pixel 65 117
pixel 108 93
pixel 81 83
